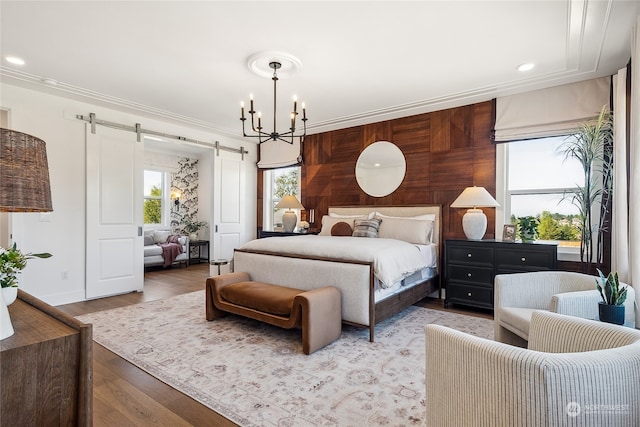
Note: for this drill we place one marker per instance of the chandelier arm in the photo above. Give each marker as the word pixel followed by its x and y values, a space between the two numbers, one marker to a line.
pixel 253 126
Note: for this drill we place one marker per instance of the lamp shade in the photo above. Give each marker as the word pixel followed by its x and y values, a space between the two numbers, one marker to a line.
pixel 24 173
pixel 474 197
pixel 289 202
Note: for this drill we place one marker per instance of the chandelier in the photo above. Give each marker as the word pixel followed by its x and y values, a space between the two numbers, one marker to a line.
pixel 256 126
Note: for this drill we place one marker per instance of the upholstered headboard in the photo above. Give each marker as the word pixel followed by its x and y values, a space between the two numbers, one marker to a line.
pixel 400 211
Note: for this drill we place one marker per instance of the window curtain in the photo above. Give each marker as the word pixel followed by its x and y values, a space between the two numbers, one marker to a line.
pixel 553 111
pixel 161 161
pixel 626 206
pixel 279 154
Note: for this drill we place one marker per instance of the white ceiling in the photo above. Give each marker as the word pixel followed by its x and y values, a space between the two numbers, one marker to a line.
pixel 362 61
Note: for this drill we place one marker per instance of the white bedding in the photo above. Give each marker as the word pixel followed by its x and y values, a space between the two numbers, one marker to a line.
pixel 392 259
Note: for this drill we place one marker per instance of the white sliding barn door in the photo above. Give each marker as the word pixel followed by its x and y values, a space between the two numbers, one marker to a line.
pixel 229 205
pixel 114 251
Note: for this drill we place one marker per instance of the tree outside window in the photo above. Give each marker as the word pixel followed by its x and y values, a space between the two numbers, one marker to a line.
pixel 153 197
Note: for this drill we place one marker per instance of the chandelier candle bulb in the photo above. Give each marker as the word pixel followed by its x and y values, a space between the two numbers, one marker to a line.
pixel 242 109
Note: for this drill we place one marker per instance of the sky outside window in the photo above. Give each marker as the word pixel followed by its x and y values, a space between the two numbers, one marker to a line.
pixel 152 179
pixel 539 165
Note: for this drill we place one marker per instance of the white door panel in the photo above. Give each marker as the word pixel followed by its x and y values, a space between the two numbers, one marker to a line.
pixel 114 213
pixel 229 205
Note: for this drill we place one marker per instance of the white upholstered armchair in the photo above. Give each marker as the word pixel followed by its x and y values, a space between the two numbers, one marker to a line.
pixel 576 372
pixel 516 296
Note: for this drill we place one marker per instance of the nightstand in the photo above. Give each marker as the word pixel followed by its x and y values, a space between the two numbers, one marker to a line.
pixel 471 265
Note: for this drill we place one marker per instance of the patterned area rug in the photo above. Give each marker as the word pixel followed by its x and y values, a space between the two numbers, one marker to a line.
pixel 256 374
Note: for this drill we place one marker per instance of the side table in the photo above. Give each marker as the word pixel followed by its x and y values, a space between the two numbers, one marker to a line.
pixel 200 244
pixel 219 262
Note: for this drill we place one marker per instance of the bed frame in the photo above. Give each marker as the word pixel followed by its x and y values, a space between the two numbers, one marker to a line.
pixel 305 272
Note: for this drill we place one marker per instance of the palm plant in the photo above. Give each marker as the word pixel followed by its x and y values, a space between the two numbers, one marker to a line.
pixel 591 145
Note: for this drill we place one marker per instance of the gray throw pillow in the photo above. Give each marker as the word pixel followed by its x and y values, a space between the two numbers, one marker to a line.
pixel 366 227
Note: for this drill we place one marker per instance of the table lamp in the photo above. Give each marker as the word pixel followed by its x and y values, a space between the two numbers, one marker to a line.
pixel 474 221
pixel 289 217
pixel 24 187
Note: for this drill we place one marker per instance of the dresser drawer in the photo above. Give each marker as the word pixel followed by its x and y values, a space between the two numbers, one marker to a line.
pixel 470 295
pixel 470 273
pixel 524 260
pixel 470 254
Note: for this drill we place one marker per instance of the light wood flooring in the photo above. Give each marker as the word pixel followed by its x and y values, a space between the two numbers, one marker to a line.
pixel 124 395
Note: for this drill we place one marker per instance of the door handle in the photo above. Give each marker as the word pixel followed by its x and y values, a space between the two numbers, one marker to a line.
pixel 139 231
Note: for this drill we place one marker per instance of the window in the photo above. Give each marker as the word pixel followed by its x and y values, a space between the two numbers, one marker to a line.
pixel 536 181
pixel 154 189
pixel 277 184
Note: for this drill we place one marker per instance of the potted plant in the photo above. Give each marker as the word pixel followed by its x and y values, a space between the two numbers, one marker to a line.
pixel 192 227
pixel 303 227
pixel 611 307
pixel 528 228
pixel 12 262
pixel 591 145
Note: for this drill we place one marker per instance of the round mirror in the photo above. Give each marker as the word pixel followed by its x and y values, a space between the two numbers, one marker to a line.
pixel 380 169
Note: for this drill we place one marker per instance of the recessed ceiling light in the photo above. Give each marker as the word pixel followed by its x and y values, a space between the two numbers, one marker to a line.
pixel 14 60
pixel 526 66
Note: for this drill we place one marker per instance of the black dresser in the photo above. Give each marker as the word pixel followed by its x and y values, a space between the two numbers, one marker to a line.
pixel 471 265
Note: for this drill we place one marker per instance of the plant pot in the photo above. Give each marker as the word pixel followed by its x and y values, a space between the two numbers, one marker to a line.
pixel 611 313
pixel 527 238
pixel 193 236
pixel 9 294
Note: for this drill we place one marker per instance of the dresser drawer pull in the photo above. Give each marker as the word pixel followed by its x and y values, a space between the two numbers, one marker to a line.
pixel 468 255
pixel 468 274
pixel 468 294
pixel 523 259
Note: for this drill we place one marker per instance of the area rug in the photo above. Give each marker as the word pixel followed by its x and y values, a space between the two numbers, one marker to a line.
pixel 257 375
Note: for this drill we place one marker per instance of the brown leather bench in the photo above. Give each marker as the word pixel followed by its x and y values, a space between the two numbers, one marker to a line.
pixel 317 312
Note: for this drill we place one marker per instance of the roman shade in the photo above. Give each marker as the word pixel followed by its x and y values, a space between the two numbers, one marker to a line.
pixel 279 154
pixel 549 112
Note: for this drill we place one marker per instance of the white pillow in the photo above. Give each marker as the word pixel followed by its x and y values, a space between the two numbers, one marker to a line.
pixel 328 222
pixel 408 230
pixel 161 236
pixel 431 217
pixel 370 215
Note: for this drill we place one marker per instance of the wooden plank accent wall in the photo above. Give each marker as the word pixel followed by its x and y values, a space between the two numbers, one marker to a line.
pixel 446 151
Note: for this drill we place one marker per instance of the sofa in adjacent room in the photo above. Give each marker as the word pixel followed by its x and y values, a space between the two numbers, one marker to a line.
pixel 158 243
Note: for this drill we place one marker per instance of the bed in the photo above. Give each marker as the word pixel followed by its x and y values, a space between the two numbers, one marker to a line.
pixel 370 292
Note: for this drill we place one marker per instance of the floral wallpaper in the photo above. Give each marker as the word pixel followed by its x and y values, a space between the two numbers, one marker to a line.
pixel 185 181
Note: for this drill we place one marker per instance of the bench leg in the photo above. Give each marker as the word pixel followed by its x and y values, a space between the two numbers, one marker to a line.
pixel 321 312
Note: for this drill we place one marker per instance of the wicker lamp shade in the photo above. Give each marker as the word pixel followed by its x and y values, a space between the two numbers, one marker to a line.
pixel 24 173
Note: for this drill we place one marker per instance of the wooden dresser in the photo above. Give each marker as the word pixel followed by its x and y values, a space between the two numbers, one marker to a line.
pixel 46 367
pixel 471 265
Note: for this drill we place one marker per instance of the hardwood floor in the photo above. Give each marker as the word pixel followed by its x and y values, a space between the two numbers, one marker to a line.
pixel 124 395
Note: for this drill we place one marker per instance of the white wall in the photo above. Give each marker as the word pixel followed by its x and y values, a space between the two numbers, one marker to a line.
pixel 62 232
